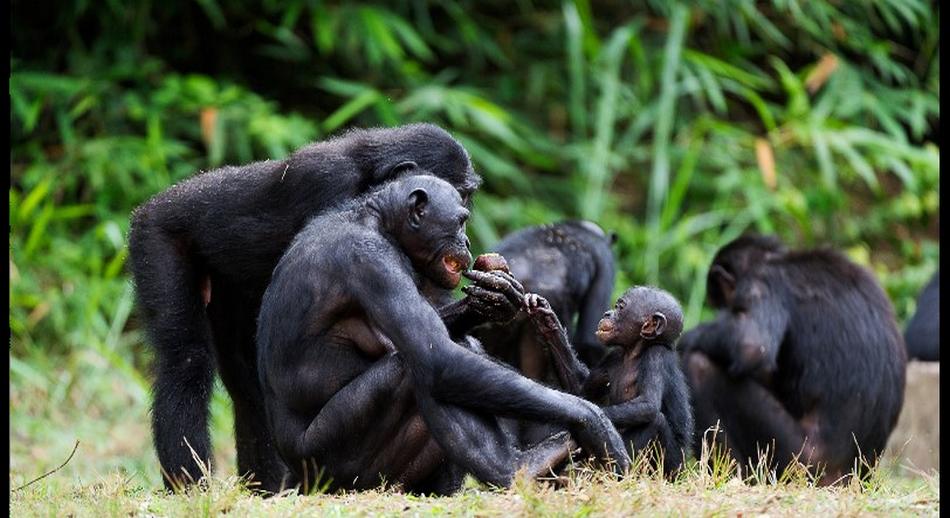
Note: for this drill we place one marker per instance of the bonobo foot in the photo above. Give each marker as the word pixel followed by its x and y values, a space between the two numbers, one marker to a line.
pixel 544 456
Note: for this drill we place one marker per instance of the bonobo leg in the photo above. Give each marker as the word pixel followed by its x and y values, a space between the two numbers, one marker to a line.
pixel 750 416
pixel 170 300
pixel 233 319
pixel 463 378
pixel 370 427
pixel 655 434
pixel 480 444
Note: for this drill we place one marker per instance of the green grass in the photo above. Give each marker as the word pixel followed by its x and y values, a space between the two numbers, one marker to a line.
pixel 114 471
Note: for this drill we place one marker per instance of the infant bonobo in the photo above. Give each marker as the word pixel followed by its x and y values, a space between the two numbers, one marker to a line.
pixel 360 375
pixel 639 382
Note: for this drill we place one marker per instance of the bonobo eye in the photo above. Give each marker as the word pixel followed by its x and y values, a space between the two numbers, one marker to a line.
pixel 620 304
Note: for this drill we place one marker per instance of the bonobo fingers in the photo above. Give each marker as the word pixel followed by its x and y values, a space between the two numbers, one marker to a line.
pixel 497 281
pixel 490 304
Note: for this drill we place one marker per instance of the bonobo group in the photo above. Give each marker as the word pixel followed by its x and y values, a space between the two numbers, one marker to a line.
pixel 320 289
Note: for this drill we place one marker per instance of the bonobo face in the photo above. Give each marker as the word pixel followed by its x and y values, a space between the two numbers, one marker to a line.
pixel 641 313
pixel 433 230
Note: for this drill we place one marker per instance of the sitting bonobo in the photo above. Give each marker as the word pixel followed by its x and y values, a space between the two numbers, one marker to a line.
pixel 362 381
pixel 639 381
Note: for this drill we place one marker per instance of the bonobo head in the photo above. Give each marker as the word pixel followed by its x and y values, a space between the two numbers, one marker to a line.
pixel 642 313
pixel 425 215
pixel 736 260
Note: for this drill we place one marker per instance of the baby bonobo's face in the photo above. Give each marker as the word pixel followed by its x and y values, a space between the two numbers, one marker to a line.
pixel 641 313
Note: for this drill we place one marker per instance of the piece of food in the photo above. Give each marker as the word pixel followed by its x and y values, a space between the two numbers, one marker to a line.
pixel 490 262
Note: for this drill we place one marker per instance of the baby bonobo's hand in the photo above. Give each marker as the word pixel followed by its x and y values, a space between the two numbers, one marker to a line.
pixel 495 295
pixel 543 317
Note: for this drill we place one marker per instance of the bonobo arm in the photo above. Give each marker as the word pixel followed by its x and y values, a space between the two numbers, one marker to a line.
pixel 571 372
pixel 492 297
pixel 745 342
pixel 452 374
pixel 651 384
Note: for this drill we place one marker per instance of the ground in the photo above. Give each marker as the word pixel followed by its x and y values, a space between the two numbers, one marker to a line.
pixel 103 403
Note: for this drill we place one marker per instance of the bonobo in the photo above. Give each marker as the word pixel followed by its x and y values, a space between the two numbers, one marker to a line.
pixel 639 381
pixel 360 375
pixel 804 358
pixel 202 253
pixel 922 335
pixel 571 265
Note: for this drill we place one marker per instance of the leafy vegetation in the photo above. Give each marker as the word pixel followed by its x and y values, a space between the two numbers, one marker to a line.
pixel 677 126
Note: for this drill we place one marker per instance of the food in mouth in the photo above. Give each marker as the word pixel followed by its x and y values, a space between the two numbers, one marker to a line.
pixel 491 262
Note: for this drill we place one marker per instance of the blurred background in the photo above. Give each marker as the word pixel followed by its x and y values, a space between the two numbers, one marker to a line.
pixel 677 127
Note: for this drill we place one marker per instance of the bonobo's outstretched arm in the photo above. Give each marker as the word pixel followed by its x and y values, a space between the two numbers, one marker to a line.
pixel 452 374
pixel 492 297
pixel 571 372
pixel 644 408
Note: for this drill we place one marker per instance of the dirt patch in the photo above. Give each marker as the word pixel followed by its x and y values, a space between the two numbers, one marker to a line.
pixel 915 443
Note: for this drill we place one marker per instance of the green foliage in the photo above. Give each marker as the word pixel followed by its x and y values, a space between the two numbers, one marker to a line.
pixel 677 126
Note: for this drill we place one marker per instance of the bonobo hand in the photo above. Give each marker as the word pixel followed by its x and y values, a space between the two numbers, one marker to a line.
pixel 598 436
pixel 542 316
pixel 495 295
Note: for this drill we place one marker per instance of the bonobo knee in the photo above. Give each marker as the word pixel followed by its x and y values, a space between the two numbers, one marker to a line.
pixel 700 369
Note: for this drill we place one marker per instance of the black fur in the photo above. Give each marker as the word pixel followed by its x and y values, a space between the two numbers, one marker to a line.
pixel 804 356
pixel 922 334
pixel 361 376
pixel 639 382
pixel 226 229
pixel 571 265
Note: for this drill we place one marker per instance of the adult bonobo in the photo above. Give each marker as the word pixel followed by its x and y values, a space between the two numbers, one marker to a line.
pixel 570 264
pixel 638 382
pixel 804 358
pixel 360 375
pixel 202 253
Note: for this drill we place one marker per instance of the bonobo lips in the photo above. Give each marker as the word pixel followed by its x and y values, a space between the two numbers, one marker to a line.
pixel 454 266
pixel 605 328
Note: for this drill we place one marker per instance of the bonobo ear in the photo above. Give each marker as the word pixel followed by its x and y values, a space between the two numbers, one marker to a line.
pixel 418 200
pixel 721 285
pixel 654 326
pixel 402 167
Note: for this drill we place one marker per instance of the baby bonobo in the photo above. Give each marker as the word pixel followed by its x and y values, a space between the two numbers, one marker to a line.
pixel 360 375
pixel 639 382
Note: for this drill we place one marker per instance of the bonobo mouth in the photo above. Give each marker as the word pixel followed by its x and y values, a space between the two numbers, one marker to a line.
pixel 454 266
pixel 605 328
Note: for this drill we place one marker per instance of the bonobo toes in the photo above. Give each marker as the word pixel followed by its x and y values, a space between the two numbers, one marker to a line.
pixel 598 436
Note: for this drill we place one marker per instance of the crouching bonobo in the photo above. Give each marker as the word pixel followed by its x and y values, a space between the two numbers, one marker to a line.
pixel 639 381
pixel 361 378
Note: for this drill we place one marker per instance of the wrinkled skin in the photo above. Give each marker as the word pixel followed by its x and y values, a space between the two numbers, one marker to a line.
pixel 362 378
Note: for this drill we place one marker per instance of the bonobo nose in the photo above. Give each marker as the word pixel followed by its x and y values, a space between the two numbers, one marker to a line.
pixel 607 314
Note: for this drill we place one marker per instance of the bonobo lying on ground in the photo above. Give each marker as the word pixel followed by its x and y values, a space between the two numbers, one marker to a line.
pixel 922 335
pixel 804 357
pixel 639 381
pixel 571 265
pixel 360 375
pixel 202 253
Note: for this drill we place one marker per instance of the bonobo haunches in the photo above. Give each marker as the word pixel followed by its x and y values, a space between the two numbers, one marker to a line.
pixel 639 381
pixel 804 358
pixel 202 253
pixel 362 378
